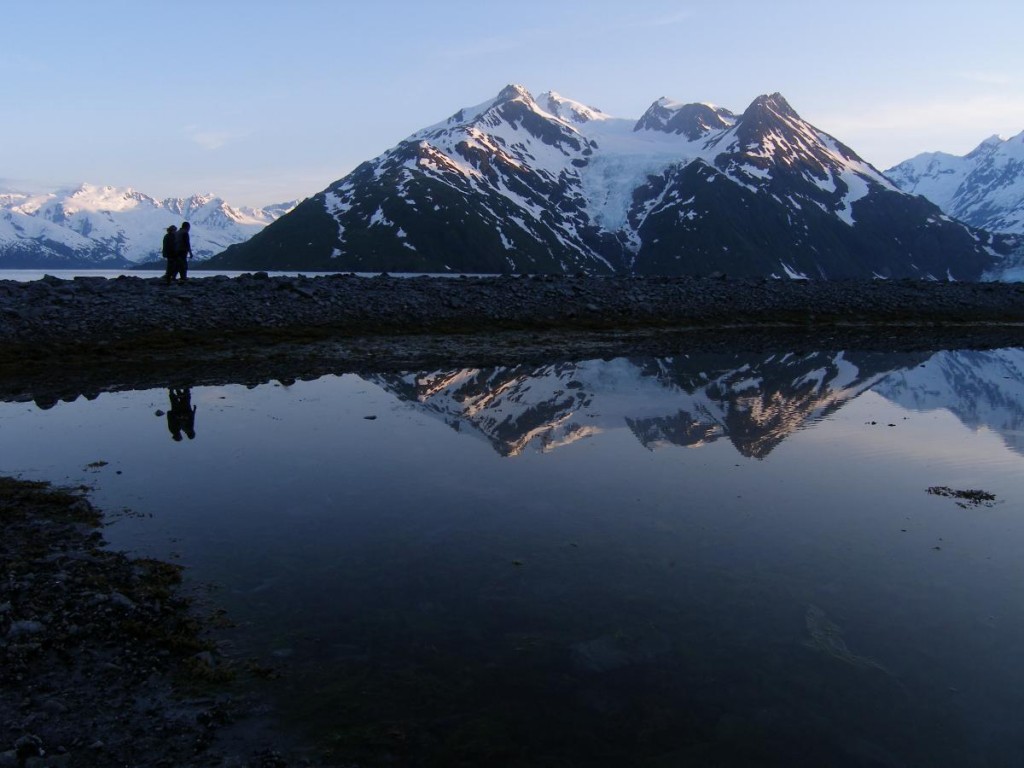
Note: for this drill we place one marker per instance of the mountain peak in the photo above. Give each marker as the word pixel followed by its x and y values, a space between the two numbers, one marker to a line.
pixel 766 121
pixel 770 104
pixel 512 92
pixel 988 146
pixel 90 197
pixel 569 110
pixel 691 120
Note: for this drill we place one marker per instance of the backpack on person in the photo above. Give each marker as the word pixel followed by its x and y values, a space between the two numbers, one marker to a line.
pixel 169 246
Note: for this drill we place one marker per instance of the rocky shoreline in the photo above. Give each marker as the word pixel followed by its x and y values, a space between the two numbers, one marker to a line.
pixel 98 315
pixel 103 659
pixel 132 331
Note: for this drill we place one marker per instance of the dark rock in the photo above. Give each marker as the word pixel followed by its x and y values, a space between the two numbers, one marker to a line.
pixel 24 628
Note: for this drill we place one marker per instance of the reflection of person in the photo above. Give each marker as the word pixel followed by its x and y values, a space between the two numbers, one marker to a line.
pixel 182 416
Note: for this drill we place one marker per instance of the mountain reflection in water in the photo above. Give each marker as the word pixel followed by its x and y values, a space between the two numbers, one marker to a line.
pixel 691 400
pixel 520 566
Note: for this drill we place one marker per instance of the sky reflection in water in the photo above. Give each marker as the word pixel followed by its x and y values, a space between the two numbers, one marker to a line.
pixel 607 562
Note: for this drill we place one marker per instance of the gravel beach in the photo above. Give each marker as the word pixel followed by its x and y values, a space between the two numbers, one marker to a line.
pixel 87 314
pixel 99 333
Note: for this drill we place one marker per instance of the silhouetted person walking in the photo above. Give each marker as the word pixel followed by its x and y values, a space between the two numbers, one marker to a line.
pixel 182 250
pixel 170 251
pixel 182 416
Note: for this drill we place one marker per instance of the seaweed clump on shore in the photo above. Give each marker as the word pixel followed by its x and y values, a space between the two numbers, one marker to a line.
pixel 964 498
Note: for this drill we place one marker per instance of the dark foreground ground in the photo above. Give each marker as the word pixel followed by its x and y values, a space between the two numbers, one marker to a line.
pixel 104 662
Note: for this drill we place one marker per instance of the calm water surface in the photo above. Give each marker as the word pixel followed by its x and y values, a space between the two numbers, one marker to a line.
pixel 697 560
pixel 28 275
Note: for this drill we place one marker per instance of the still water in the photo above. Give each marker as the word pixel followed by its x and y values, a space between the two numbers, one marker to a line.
pixel 28 275
pixel 693 560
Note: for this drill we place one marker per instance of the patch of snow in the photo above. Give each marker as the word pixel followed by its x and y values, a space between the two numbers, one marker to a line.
pixel 379 219
pixel 792 273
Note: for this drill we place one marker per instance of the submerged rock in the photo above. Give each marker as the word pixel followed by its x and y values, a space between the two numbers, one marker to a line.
pixel 622 649
pixel 826 636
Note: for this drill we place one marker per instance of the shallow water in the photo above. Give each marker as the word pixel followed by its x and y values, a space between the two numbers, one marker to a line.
pixel 713 559
pixel 28 275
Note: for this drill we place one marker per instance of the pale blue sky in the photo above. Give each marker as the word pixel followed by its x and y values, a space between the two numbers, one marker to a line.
pixel 260 102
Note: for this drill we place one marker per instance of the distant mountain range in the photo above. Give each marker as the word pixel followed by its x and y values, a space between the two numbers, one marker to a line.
pixel 752 401
pixel 984 188
pixel 108 227
pixel 546 184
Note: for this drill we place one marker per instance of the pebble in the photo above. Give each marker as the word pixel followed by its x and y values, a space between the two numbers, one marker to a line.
pixel 24 627
pixel 118 599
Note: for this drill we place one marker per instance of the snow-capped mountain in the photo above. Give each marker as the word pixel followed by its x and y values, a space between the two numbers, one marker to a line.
pixel 110 227
pixel 984 188
pixel 753 401
pixel 546 184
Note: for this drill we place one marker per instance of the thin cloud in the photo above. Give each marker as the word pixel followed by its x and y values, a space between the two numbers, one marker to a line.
pixel 26 186
pixel 484 47
pixel 500 44
pixel 669 20
pixel 987 78
pixel 209 140
pixel 890 133
pixel 980 112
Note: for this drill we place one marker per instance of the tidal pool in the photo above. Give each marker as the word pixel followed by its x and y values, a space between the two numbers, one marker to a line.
pixel 694 560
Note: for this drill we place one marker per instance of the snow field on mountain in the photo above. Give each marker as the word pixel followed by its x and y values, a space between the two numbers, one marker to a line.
pixel 936 175
pixel 624 161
